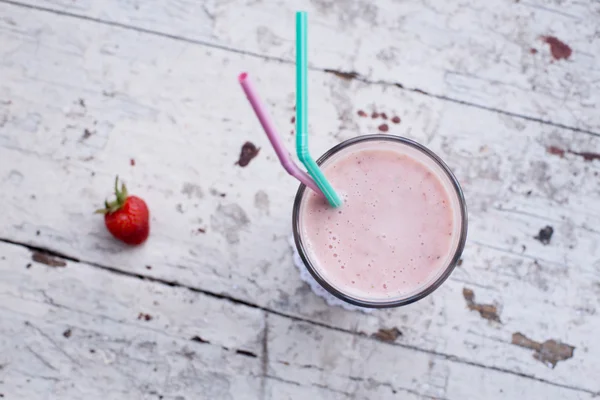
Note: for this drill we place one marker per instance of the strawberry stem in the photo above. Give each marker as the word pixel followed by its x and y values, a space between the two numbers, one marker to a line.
pixel 121 197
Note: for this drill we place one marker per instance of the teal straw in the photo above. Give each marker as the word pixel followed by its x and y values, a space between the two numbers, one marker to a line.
pixel 301 114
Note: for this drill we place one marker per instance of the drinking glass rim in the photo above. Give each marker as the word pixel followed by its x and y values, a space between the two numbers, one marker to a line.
pixel 392 303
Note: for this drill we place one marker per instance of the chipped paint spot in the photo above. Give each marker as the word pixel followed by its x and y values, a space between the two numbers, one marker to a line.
pixel 587 156
pixel 246 353
pixel 248 152
pixel 198 339
pixel 86 134
pixel 549 352
pixel 348 76
pixel 383 127
pixel 144 316
pixel 261 201
pixel 387 335
pixel 47 259
pixel 217 193
pixel 544 235
pixel 343 106
pixel 361 113
pixel 487 311
pixel 396 119
pixel 559 49
pixel 266 38
pixel 228 220
pixel 556 151
pixel 388 56
pixel 192 190
pixel 188 354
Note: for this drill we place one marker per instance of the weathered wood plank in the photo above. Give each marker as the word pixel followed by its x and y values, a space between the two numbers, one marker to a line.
pixel 492 54
pixel 144 98
pixel 366 369
pixel 75 331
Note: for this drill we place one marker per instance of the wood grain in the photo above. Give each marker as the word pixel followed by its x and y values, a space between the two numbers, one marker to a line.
pixel 109 352
pixel 75 332
pixel 76 109
pixel 493 55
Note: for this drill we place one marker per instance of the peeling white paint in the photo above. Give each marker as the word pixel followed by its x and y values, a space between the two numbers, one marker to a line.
pixel 175 108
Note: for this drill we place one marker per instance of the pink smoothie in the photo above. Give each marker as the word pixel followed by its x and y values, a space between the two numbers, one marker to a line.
pixel 397 230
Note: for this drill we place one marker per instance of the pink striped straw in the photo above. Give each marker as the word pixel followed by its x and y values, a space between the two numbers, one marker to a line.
pixel 274 137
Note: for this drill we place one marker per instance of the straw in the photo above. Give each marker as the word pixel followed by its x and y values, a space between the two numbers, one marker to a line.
pixel 301 114
pixel 274 137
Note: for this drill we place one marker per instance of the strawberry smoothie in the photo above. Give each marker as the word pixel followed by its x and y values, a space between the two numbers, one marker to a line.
pixel 399 232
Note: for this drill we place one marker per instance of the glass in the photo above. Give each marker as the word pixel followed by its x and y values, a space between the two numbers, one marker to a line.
pixel 433 162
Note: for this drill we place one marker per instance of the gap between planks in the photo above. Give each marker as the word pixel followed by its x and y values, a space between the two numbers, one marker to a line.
pixel 347 75
pixel 295 318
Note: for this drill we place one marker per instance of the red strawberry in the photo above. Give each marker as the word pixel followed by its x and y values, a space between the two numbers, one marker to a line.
pixel 127 218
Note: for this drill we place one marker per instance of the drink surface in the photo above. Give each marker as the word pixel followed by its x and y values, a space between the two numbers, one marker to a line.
pixel 396 231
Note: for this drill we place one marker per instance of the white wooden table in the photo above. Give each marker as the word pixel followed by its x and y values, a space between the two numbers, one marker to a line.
pixel 211 307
